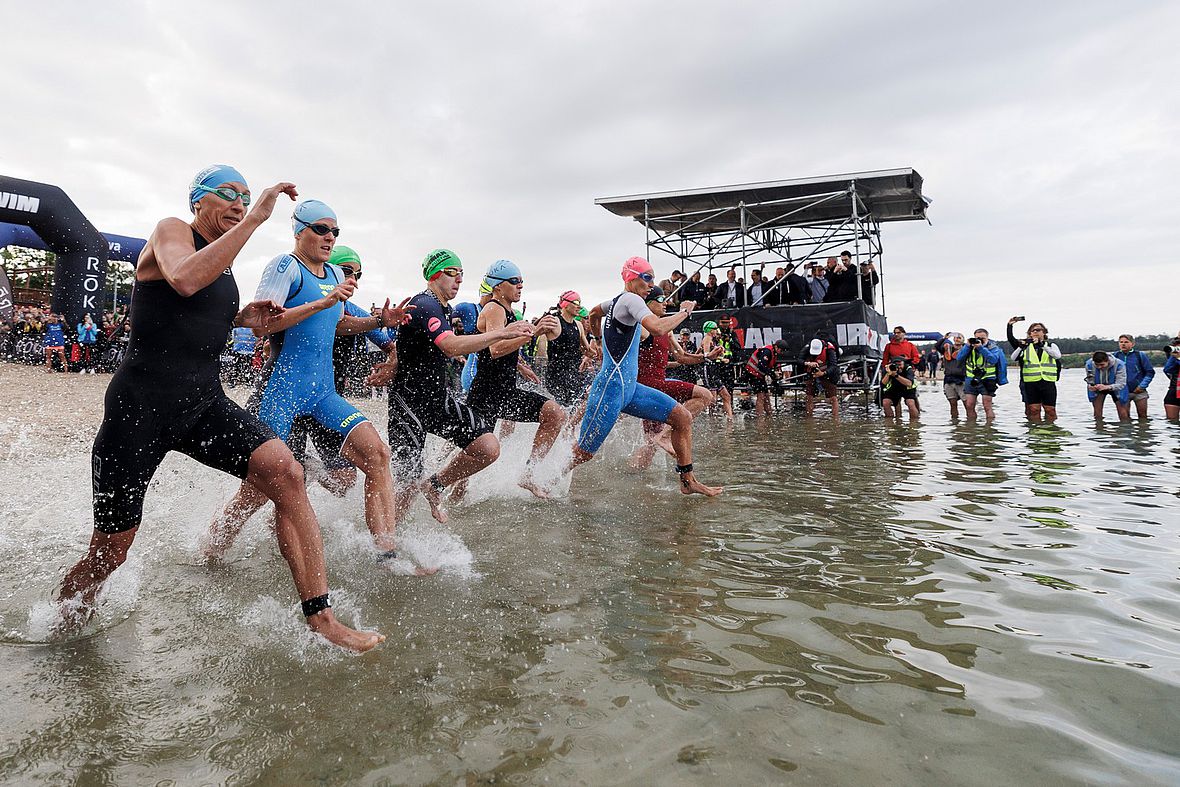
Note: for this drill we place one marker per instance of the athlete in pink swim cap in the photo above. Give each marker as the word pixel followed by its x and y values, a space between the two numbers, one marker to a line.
pixel 638 268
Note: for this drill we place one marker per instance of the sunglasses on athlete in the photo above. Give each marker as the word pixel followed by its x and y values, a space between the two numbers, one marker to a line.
pixel 320 229
pixel 226 193
pixel 515 281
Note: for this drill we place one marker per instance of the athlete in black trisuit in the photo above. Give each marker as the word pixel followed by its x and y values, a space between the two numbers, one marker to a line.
pixel 567 354
pixel 420 402
pixel 166 396
pixel 493 393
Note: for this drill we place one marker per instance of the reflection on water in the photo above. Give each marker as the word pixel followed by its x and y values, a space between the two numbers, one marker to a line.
pixel 928 603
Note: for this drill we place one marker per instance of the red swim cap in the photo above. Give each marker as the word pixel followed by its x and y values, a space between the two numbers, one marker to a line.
pixel 635 266
pixel 569 296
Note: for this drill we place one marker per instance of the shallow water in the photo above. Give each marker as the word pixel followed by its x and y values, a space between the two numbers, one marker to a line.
pixel 868 602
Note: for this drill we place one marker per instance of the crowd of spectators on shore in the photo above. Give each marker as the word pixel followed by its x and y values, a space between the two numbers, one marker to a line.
pixel 38 336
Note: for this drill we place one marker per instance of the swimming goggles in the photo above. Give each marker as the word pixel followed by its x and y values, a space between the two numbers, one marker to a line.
pixel 320 229
pixel 353 272
pixel 226 193
pixel 515 281
pixel 452 271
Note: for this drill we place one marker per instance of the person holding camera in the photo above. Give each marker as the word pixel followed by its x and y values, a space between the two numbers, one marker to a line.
pixel 1140 373
pixel 954 371
pixel 823 371
pixel 1172 372
pixel 1040 367
pixel 762 372
pixel 1106 376
pixel 984 364
pixel 898 383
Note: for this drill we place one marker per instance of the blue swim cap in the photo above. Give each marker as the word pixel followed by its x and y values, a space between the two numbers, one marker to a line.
pixel 310 211
pixel 501 271
pixel 212 176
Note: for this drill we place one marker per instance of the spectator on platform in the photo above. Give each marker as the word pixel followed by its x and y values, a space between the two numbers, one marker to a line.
pixel 730 293
pixel 710 299
pixel 1140 373
pixel 794 290
pixel 841 281
pixel 868 282
pixel 1106 376
pixel 757 290
pixel 693 290
pixel 817 284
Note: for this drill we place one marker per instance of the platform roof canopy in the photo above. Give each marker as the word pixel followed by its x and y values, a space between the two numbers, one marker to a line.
pixel 888 195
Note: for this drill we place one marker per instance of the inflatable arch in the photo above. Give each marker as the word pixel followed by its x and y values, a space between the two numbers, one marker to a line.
pixel 40 216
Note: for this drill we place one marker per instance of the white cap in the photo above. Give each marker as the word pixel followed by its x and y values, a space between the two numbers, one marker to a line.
pixel 817 347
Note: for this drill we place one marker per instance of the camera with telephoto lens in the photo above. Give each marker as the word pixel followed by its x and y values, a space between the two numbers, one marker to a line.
pixel 1172 348
pixel 974 342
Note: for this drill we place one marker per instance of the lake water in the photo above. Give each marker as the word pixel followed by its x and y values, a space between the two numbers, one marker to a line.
pixel 867 603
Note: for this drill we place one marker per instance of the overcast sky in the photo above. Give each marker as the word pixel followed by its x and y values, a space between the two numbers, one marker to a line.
pixel 1046 133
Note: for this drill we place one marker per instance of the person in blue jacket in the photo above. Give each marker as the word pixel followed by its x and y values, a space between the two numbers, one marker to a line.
pixel 54 342
pixel 1171 371
pixel 1106 376
pixel 87 338
pixel 986 368
pixel 1140 373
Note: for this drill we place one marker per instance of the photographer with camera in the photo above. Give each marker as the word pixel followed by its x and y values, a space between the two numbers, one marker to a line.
pixel 1040 368
pixel 1140 373
pixel 1172 372
pixel 762 373
pixel 985 367
pixel 1106 376
pixel 898 383
pixel 954 371
pixel 823 371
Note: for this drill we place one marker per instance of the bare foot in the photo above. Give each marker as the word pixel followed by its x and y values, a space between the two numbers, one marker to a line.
pixel 532 486
pixel 326 625
pixel 458 492
pixel 75 614
pixel 664 440
pixel 434 498
pixel 689 485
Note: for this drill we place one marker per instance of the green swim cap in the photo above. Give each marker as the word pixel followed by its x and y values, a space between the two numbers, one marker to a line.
pixel 582 314
pixel 343 255
pixel 437 260
pixel 709 326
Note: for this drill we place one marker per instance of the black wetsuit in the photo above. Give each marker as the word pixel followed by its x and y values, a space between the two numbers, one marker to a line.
pixel 494 393
pixel 420 401
pixel 166 396
pixel 562 375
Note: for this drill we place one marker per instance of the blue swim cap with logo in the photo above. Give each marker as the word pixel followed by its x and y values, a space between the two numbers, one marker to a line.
pixel 501 271
pixel 212 176
pixel 309 212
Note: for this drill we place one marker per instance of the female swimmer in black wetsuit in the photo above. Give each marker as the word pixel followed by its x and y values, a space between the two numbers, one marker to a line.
pixel 166 396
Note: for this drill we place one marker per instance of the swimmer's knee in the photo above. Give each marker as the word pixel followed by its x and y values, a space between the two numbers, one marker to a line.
pixel 486 446
pixel 679 417
pixel 705 395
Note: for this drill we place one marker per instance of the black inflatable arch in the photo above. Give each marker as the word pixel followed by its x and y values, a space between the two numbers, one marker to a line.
pixel 82 251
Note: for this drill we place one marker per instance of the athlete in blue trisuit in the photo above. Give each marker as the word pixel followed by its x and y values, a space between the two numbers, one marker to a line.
pixel 339 474
pixel 166 396
pixel 302 383
pixel 615 389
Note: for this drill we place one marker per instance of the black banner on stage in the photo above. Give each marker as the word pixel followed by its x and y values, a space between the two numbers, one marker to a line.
pixel 855 327
pixel 5 297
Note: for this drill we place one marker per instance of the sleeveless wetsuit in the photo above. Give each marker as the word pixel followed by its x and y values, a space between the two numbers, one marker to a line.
pixel 302 380
pixel 615 388
pixel 494 393
pixel 562 375
pixel 419 400
pixel 166 396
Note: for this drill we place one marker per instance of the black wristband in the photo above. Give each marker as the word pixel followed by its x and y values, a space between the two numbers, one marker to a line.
pixel 314 606
pixel 389 554
pixel 682 469
pixel 434 482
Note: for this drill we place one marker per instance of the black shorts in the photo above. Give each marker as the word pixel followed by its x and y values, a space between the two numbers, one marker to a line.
pixel 328 443
pixel 718 376
pixel 135 437
pixel 567 388
pixel 986 387
pixel 1170 397
pixel 445 417
pixel 1042 392
pixel 895 393
pixel 514 405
